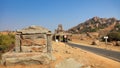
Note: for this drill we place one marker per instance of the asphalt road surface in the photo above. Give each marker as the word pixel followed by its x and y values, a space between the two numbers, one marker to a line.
pixel 114 55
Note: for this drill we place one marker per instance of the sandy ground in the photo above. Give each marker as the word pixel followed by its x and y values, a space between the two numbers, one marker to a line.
pixel 88 59
pixel 62 51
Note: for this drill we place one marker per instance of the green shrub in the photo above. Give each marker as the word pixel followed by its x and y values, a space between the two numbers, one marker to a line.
pixel 118 26
pixel 101 27
pixel 93 30
pixel 3 47
pixel 6 41
pixel 114 36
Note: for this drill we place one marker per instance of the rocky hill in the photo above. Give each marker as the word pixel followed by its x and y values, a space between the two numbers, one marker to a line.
pixel 96 24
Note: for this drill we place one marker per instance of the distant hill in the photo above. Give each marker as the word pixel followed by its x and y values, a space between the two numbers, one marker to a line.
pixel 96 24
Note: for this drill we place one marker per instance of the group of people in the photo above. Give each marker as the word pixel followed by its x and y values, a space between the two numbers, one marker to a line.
pixel 64 39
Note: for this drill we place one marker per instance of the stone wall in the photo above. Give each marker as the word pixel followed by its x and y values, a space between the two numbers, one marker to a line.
pixel 32 46
pixel 31 43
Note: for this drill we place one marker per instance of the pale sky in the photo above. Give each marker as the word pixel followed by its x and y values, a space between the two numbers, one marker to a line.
pixel 17 14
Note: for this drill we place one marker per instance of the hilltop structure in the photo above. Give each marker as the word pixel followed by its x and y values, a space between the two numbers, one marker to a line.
pixel 60 34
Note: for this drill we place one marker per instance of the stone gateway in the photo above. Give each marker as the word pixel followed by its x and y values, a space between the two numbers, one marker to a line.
pixel 32 46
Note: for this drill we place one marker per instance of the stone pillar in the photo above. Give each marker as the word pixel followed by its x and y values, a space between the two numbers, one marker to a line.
pixel 17 43
pixel 55 37
pixel 45 37
pixel 49 41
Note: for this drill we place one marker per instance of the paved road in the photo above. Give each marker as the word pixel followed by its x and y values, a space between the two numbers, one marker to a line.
pixel 106 53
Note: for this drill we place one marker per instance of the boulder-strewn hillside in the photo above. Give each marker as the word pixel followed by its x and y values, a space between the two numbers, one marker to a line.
pixel 96 24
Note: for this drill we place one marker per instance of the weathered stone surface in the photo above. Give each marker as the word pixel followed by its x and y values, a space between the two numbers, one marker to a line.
pixel 95 42
pixel 69 63
pixel 17 43
pixel 40 41
pixel 34 29
pixel 25 58
pixel 37 41
pixel 26 49
pixel 33 48
pixel 118 43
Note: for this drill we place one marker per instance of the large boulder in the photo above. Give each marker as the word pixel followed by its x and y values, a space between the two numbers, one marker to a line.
pixel 118 43
pixel 69 63
pixel 25 58
pixel 96 42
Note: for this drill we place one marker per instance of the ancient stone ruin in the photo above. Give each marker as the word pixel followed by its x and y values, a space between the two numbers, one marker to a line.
pixel 60 34
pixel 33 46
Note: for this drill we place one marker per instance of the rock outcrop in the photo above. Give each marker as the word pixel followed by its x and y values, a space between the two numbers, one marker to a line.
pixel 97 28
pixel 95 24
